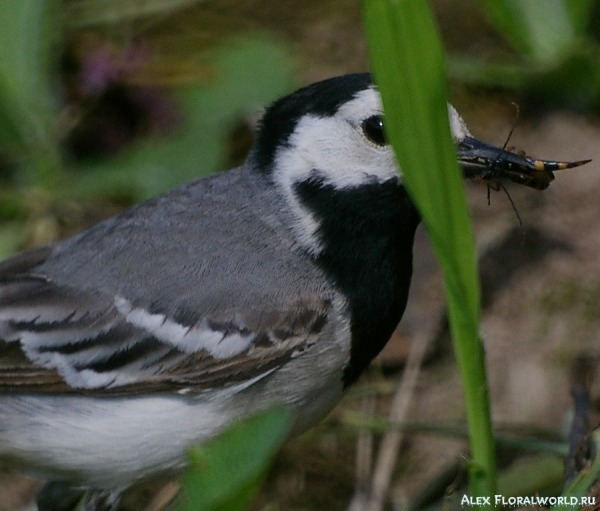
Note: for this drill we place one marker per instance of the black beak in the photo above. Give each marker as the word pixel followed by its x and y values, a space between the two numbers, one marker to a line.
pixel 489 163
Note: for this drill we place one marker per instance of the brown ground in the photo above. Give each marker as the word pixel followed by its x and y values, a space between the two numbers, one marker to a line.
pixel 539 298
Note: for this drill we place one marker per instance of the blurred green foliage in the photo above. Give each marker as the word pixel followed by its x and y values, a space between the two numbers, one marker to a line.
pixel 556 56
pixel 83 13
pixel 28 99
pixel 38 172
pixel 226 473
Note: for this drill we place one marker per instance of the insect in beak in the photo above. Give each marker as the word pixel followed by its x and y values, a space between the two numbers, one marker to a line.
pixel 490 163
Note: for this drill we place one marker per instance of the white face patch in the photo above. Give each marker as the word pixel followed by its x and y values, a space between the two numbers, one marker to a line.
pixel 336 150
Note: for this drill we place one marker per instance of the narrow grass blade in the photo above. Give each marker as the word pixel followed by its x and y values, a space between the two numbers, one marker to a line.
pixel 408 65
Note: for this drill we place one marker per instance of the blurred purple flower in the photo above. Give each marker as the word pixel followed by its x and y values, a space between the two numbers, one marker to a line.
pixel 114 112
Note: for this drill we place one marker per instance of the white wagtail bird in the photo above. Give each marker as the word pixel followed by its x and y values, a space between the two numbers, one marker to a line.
pixel 275 282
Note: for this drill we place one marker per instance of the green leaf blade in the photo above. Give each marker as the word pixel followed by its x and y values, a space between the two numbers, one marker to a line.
pixel 28 103
pixel 226 472
pixel 407 60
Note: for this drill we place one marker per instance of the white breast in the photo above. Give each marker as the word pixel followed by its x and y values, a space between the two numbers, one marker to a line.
pixel 114 442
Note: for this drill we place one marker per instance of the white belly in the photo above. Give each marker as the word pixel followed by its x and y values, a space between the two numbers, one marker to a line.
pixel 113 442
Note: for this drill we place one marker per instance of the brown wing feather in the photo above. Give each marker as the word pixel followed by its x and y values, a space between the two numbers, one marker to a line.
pixel 193 373
pixel 42 321
pixel 154 365
pixel 18 374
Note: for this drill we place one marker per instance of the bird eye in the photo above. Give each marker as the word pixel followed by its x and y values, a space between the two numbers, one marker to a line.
pixel 373 130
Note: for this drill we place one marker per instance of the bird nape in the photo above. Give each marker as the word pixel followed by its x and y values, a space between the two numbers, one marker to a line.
pixel 276 282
